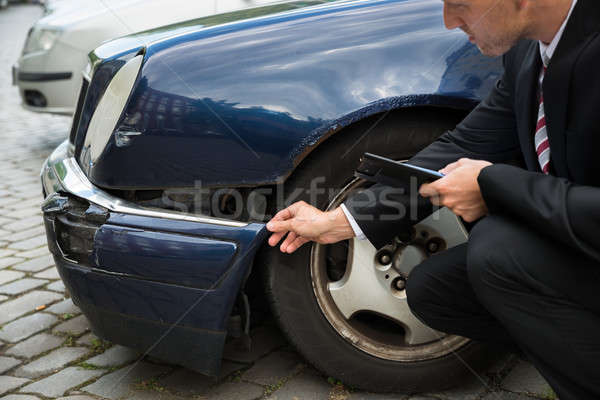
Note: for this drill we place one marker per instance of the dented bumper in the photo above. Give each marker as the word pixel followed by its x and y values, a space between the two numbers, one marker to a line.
pixel 162 282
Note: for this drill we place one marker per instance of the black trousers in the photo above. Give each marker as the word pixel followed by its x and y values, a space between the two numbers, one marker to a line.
pixel 512 286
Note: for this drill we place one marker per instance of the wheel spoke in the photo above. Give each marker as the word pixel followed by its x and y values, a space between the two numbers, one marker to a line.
pixel 362 290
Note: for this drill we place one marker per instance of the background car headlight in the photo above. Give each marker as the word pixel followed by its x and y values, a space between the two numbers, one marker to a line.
pixel 40 40
pixel 108 111
pixel 88 69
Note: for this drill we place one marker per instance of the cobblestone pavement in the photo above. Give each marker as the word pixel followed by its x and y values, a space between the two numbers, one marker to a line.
pixel 46 348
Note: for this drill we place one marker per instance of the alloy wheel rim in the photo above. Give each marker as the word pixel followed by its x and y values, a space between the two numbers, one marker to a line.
pixel 372 285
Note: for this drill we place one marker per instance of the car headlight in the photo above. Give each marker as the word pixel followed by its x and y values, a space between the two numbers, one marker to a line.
pixel 108 111
pixel 40 40
pixel 87 71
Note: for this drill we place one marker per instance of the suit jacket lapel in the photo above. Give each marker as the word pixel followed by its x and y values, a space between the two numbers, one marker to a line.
pixel 526 104
pixel 558 78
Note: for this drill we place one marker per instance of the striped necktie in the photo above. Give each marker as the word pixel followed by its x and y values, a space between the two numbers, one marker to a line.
pixel 542 146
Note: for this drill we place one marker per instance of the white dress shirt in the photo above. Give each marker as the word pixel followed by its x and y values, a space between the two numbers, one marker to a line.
pixel 546 52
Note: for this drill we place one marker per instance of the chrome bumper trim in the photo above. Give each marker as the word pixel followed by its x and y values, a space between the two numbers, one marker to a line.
pixel 61 172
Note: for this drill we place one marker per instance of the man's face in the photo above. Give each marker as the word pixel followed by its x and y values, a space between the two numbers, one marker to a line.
pixel 493 25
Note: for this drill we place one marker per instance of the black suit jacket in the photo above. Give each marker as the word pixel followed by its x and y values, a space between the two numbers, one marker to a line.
pixel 565 204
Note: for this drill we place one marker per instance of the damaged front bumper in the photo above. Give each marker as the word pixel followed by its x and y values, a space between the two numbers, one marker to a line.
pixel 160 281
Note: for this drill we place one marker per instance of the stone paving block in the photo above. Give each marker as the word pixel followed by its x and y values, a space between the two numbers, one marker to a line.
pixel 236 391
pixel 505 396
pixel 24 327
pixel 77 397
pixel 373 396
pixel 115 356
pixel 7 200
pixel 24 223
pixel 50 273
pixel 19 397
pixel 7 363
pixel 308 385
pixel 31 190
pixel 75 325
pixel 524 378
pixel 8 276
pixel 273 368
pixel 9 261
pixel 127 378
pixel 470 390
pixel 186 382
pixel 35 201
pixel 57 286
pixel 64 307
pixel 36 264
pixel 29 244
pixel 5 220
pixel 6 252
pixel 264 340
pixel 35 345
pixel 26 234
pixel 153 395
pixel 26 303
pixel 26 212
pixel 2 298
pixel 56 385
pixel 8 383
pixel 37 252
pixel 229 367
pixel 50 362
pixel 87 339
pixel 21 286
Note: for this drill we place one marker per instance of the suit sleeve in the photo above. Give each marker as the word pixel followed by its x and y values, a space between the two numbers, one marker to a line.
pixel 487 133
pixel 566 212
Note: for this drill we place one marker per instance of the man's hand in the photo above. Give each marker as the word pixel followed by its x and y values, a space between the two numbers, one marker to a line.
pixel 459 190
pixel 304 223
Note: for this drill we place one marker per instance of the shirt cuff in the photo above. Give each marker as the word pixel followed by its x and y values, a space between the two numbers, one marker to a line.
pixel 357 231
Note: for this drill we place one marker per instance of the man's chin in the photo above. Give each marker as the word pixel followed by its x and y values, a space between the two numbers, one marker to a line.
pixel 491 51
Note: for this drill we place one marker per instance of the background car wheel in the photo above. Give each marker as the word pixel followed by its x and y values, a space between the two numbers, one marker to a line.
pixel 343 306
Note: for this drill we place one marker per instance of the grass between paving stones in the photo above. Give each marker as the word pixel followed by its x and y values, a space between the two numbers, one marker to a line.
pixel 100 345
pixel 150 384
pixel 339 392
pixel 236 376
pixel 274 386
pixel 88 366
pixel 66 316
pixel 550 395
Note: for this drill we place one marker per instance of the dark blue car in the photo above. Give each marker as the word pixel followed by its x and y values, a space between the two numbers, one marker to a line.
pixel 188 138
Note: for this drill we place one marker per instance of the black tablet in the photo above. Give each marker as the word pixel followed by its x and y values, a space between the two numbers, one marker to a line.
pixel 383 170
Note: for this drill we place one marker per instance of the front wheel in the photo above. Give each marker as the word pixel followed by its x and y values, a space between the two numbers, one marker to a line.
pixel 344 305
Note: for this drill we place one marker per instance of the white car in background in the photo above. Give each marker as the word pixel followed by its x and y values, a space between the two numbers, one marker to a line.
pixel 49 71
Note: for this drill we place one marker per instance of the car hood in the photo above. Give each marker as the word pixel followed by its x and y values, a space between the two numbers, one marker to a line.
pixel 240 102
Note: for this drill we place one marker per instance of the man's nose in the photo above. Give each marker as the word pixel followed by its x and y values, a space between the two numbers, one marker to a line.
pixel 451 20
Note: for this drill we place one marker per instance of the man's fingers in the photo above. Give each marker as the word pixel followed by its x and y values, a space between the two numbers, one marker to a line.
pixel 279 226
pixel 288 240
pixel 427 190
pixel 275 238
pixel 296 244
pixel 436 200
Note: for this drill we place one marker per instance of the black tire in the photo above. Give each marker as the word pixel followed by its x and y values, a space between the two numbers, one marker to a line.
pixel 288 280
